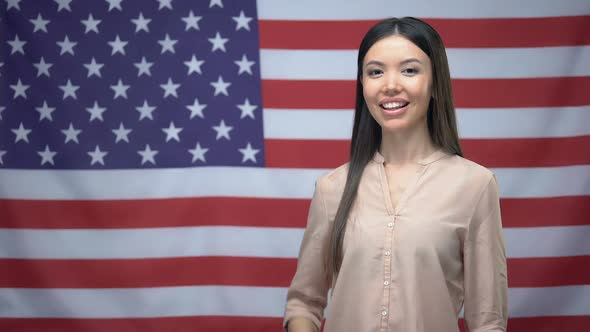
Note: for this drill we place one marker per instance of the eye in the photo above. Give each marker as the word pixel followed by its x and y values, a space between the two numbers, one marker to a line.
pixel 374 72
pixel 410 71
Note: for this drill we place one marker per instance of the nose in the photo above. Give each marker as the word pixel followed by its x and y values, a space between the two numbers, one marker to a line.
pixel 391 84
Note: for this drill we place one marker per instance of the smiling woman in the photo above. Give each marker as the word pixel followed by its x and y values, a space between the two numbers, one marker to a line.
pixel 408 232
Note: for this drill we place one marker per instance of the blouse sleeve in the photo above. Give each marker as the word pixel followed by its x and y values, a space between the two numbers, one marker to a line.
pixel 307 295
pixel 485 278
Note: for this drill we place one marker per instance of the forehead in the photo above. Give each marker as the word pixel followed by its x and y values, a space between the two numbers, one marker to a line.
pixel 395 48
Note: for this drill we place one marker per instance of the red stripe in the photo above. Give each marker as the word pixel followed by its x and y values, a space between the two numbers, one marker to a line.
pixel 460 33
pixel 516 212
pixel 263 272
pixel 513 152
pixel 468 93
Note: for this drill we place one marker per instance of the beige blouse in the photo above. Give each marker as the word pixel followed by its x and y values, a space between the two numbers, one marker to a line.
pixel 410 269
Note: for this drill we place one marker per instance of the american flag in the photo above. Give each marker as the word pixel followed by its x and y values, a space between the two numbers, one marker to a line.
pixel 157 157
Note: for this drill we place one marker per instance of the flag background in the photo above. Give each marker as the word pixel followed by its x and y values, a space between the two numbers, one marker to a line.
pixel 207 241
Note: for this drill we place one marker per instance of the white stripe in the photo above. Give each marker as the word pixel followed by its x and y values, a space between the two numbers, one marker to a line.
pixel 238 242
pixel 233 301
pixel 472 63
pixel 378 9
pixel 472 123
pixel 247 182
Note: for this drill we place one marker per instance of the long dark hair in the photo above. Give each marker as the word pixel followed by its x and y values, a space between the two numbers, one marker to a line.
pixel 366 132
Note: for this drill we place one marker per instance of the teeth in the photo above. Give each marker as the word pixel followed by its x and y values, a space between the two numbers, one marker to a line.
pixel 396 104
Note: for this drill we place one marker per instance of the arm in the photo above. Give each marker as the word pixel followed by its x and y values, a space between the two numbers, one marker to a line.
pixel 485 276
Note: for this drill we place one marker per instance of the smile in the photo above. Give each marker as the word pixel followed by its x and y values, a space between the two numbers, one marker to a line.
pixel 394 105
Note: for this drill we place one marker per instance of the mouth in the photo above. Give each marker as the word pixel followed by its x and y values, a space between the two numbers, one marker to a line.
pixel 394 107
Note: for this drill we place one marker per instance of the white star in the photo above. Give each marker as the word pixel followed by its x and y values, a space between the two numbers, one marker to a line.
pixel 249 153
pixel 145 111
pixel 120 89
pixel 215 3
pixel 141 23
pixel 71 134
pixel 91 24
pixel 97 156
pixel 220 86
pixel 1 64
pixel 147 155
pixel 2 153
pixel 21 133
pixel 12 4
pixel 118 46
pixel 198 153
pixel 19 89
pixel 39 23
pixel 194 65
pixel 47 155
pixel 121 133
pixel 66 46
pixel 2 108
pixel 170 88
pixel 114 4
pixel 63 4
pixel 247 109
pixel 196 109
pixel 69 90
pixel 222 130
pixel 42 67
pixel 45 112
pixel 242 21
pixel 93 68
pixel 17 45
pixel 218 42
pixel 167 44
pixel 192 21
pixel 245 65
pixel 172 132
pixel 165 3
pixel 143 67
pixel 96 112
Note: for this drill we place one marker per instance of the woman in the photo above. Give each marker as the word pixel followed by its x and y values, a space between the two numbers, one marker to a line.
pixel 408 232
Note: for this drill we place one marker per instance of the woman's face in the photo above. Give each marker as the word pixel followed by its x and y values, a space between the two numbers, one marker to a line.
pixel 397 84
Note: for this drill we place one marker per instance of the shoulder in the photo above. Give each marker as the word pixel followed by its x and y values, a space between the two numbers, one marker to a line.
pixel 470 171
pixel 331 185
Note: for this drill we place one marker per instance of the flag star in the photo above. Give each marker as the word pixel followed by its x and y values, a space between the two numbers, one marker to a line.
pixel 170 88
pixel 63 4
pixel 17 45
pixel 248 153
pixel 192 21
pixel 144 67
pixel 167 44
pixel 66 46
pixel 120 89
pixel 22 134
pixel 42 67
pixel 172 132
pixel 2 153
pixel 147 154
pixel 39 23
pixel 165 4
pixel 242 21
pixel 96 112
pixel 91 24
pixel 198 153
pixel 12 4
pixel 47 155
pixel 194 65
pixel 118 45
pixel 245 65
pixel 247 109
pixel 19 89
pixel 141 23
pixel 215 3
pixel 197 109
pixel 2 108
pixel 93 68
pixel 1 64
pixel 222 130
pixel 114 4
pixel 45 112
pixel 145 111
pixel 71 134
pixel 121 133
pixel 69 90
pixel 220 86
pixel 97 156
pixel 218 42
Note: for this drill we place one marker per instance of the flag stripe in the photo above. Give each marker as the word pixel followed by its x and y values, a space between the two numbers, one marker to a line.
pixel 456 33
pixel 468 93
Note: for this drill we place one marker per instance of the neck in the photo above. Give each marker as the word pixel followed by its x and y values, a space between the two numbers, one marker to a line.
pixel 409 146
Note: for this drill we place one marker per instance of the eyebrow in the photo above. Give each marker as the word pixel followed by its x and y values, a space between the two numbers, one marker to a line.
pixel 381 64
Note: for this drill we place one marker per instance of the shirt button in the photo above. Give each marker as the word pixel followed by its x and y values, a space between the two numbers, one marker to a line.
pixel 384 313
pixel 390 225
pixel 386 282
pixel 387 253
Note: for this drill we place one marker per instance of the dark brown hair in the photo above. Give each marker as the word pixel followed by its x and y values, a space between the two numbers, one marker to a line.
pixel 366 132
